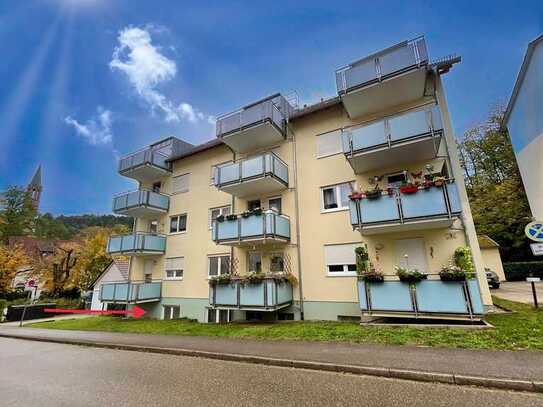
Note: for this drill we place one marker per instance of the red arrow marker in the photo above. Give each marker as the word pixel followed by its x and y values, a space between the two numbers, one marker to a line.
pixel 136 311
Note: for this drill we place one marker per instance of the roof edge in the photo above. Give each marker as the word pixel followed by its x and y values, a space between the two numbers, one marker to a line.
pixel 520 76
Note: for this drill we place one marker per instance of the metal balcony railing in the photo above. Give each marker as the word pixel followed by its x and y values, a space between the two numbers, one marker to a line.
pixel 146 156
pixel 399 208
pixel 267 225
pixel 267 295
pixel 139 242
pixel 382 65
pixel 140 198
pixel 274 109
pixel 131 292
pixel 263 165
pixel 392 130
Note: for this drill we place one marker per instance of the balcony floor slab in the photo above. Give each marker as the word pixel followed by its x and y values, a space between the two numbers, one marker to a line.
pixel 254 137
pixel 252 187
pixel 145 173
pixel 394 91
pixel 146 212
pixel 409 225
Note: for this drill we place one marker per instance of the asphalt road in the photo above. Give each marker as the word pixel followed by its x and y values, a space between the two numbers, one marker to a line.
pixel 47 374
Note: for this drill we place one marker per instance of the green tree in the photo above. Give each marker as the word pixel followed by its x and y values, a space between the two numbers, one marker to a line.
pixel 49 227
pixel 18 215
pixel 496 194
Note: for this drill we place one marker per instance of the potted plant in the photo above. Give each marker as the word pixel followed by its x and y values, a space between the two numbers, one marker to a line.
pixel 231 217
pixel 452 273
pixel 246 214
pixel 220 218
pixel 221 279
pixel 439 181
pixel 408 275
pixel 356 196
pixel 373 193
pixel 257 211
pixel 372 276
pixel 254 278
pixel 409 188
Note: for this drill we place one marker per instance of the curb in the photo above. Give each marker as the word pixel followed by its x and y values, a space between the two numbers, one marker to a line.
pixel 415 375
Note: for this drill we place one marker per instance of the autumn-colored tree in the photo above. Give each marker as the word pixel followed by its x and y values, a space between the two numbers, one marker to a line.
pixel 11 260
pixel 55 271
pixel 498 202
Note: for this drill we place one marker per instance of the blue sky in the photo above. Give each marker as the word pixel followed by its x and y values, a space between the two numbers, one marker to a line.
pixel 84 81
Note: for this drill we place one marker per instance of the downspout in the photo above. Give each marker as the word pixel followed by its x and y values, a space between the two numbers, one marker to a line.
pixel 297 210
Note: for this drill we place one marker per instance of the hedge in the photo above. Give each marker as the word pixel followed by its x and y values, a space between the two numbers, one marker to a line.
pixel 518 271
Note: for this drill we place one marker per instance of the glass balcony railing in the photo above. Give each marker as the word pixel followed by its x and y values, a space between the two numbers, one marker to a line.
pixel 400 208
pixel 267 225
pixel 249 169
pixel 411 125
pixel 131 292
pixel 267 295
pixel 140 199
pixel 147 156
pixel 274 109
pixel 137 243
pixel 382 65
pixel 427 298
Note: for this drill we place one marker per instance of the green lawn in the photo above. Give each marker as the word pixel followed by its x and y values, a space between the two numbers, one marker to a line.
pixel 521 330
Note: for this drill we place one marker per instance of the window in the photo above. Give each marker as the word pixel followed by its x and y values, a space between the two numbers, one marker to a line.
pixel 153 226
pixel 148 278
pixel 172 311
pixel 180 183
pixel 254 204
pixel 215 212
pixel 174 267
pixel 336 197
pixel 275 204
pixel 218 316
pixel 396 180
pixel 178 223
pixel 329 144
pixel 218 265
pixel 156 187
pixel 277 263
pixel 255 262
pixel 340 259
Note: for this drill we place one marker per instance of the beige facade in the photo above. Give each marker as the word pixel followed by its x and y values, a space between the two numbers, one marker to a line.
pixel 321 234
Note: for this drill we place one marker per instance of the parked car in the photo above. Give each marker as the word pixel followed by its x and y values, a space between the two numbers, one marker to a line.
pixel 492 278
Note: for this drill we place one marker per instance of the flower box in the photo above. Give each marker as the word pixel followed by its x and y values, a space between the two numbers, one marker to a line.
pixel 409 189
pixel 356 196
pixel 373 194
pixel 410 276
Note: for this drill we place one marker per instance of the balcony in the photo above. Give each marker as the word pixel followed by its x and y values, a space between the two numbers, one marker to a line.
pixel 131 292
pixel 263 174
pixel 435 207
pixel 408 137
pixel 269 295
pixel 430 298
pixel 257 229
pixel 394 76
pixel 258 125
pixel 150 164
pixel 137 244
pixel 141 204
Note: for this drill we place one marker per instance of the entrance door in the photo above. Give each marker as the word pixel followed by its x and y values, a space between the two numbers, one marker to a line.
pixel 411 253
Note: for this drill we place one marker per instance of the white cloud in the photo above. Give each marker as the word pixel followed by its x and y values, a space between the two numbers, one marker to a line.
pixel 146 69
pixel 96 130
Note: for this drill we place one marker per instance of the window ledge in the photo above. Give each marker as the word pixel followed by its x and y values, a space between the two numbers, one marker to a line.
pixel 177 233
pixel 342 274
pixel 173 278
pixel 334 210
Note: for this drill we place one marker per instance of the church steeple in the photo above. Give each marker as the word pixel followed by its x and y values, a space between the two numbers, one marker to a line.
pixel 35 187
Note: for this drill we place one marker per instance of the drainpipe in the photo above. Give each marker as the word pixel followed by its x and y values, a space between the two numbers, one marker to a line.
pixel 297 210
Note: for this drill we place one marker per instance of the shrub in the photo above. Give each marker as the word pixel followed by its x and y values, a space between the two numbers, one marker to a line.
pixel 518 271
pixel 462 258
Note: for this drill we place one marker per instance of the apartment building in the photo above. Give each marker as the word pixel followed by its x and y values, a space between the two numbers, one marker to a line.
pixel 263 221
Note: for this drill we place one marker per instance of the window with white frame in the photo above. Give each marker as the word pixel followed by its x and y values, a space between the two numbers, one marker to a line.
pixel 217 265
pixel 178 223
pixel 329 144
pixel 277 263
pixel 336 197
pixel 180 183
pixel 172 311
pixel 214 213
pixel 255 262
pixel 340 259
pixel 173 268
pixel 275 204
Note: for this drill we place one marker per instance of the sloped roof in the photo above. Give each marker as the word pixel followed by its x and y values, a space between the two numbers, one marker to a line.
pixel 197 149
pixel 36 179
pixel 485 242
pixel 123 266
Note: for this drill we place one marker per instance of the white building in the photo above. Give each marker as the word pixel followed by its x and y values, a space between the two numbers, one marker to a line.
pixel 116 272
pixel 524 119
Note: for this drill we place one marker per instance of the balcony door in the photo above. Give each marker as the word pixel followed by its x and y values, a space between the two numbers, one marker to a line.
pixel 411 253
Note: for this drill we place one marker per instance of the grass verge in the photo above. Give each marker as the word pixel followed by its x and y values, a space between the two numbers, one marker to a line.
pixel 521 330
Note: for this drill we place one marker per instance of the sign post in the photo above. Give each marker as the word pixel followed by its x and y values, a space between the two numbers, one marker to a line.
pixel 532 281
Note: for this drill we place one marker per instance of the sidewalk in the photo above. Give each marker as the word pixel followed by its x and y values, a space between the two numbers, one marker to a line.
pixel 519 370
